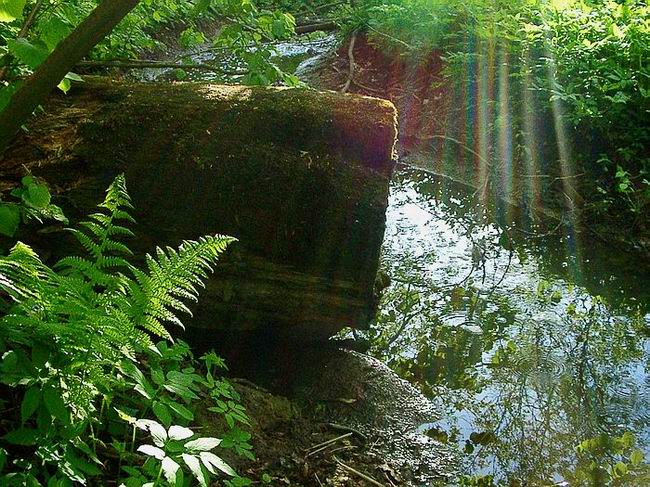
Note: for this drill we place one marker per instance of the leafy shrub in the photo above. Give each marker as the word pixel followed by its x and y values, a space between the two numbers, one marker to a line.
pixel 34 203
pixel 80 364
pixel 588 57
pixel 31 30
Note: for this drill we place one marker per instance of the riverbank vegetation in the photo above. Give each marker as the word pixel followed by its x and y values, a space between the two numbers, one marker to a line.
pixel 550 108
pixel 580 66
pixel 82 372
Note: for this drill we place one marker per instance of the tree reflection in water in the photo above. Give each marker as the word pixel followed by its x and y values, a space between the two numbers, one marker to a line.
pixel 541 379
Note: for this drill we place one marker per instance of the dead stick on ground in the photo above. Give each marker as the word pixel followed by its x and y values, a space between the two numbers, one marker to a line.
pixel 362 475
pixel 329 442
pixel 318 480
pixel 346 86
pixel 347 447
pixel 341 427
pixel 389 480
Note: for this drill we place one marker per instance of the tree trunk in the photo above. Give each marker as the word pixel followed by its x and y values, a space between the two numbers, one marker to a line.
pixel 69 52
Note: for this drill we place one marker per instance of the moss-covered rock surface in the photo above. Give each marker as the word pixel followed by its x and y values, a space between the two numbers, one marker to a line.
pixel 299 177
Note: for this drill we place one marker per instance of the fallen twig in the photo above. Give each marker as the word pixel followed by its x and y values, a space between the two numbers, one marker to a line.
pixel 346 447
pixel 325 25
pixel 318 447
pixel 362 475
pixel 349 429
pixel 143 64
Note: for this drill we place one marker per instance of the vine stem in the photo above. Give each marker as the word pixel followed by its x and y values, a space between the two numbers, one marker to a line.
pixel 158 477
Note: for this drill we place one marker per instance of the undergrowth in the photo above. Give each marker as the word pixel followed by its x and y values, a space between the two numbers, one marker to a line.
pixel 87 393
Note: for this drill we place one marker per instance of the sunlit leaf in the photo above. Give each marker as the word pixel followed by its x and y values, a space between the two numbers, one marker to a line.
pixel 10 10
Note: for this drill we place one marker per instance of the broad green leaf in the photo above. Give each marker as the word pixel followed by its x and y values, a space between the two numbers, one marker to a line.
pixel 30 53
pixel 55 404
pixel 53 30
pixel 81 464
pixel 10 10
pixel 22 436
pixel 210 460
pixel 181 391
pixel 203 444
pixel 152 451
pixel 64 85
pixel 30 403
pixel 37 196
pixel 180 433
pixel 158 376
pixel 181 410
pixel 74 77
pixel 9 219
pixel 162 413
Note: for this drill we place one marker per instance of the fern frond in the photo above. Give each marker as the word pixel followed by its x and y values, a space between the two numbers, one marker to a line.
pixel 117 196
pixel 173 275
pixel 22 273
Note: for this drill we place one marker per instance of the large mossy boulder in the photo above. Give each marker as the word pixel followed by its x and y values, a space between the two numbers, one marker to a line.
pixel 299 177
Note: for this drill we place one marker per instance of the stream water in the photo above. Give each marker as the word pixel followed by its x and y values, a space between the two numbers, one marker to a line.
pixel 533 341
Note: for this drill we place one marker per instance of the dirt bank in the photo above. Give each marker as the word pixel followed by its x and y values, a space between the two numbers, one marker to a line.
pixel 345 416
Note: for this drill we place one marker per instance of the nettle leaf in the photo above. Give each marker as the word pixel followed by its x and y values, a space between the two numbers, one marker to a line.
pixel 180 433
pixel 22 436
pixel 54 30
pixel 210 460
pixel 30 403
pixel 181 410
pixel 10 10
pixel 37 196
pixel 30 53
pixel 162 413
pixel 55 404
pixel 152 451
pixel 203 444
pixel 9 219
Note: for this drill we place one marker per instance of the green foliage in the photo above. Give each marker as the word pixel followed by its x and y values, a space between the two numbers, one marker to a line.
pixel 585 62
pixel 30 31
pixel 79 359
pixel 33 204
pixel 249 37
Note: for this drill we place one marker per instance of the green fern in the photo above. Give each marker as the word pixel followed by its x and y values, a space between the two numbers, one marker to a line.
pixel 89 308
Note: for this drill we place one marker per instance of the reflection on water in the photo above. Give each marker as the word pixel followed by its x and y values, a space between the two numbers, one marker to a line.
pixel 542 379
pixel 287 56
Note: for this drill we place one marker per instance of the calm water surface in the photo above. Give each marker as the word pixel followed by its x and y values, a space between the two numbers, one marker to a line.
pixel 533 340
